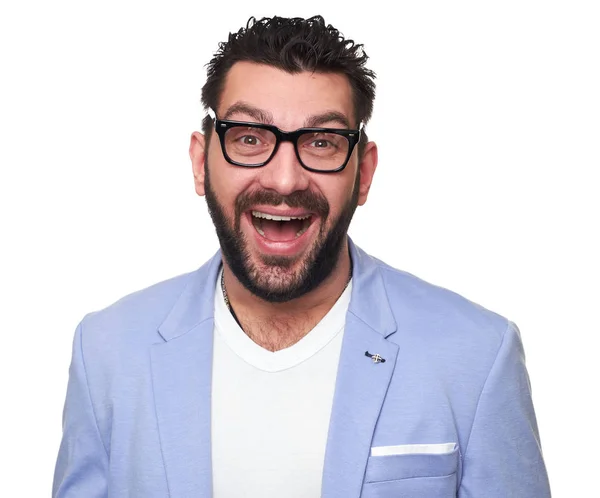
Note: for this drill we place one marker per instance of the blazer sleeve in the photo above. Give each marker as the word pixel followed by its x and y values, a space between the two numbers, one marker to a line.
pixel 503 456
pixel 82 463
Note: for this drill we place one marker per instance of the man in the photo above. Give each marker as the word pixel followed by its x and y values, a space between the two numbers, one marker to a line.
pixel 292 364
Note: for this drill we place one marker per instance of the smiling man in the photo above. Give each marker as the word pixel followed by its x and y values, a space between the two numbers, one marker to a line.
pixel 293 364
pixel 282 202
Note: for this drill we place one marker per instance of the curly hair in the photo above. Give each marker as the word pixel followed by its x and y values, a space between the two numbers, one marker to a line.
pixel 293 45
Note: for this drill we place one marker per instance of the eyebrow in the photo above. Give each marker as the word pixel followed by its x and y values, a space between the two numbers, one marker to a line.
pixel 327 117
pixel 265 117
pixel 241 107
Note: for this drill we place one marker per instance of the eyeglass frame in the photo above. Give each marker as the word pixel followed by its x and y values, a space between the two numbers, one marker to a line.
pixel 223 125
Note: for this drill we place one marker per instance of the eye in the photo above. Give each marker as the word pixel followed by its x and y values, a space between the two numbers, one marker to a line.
pixel 250 140
pixel 249 137
pixel 321 143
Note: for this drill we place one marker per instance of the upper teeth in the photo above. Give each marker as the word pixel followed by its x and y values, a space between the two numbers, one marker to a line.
pixel 274 217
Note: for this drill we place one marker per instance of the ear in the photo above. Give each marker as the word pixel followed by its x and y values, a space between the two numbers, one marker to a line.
pixel 367 166
pixel 197 148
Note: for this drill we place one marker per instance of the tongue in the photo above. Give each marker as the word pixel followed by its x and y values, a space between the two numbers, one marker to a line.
pixel 280 231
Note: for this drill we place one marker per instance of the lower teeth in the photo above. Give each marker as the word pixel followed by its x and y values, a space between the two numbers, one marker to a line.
pixel 300 232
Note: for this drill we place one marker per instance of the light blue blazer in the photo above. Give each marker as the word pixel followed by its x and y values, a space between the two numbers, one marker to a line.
pixel 136 421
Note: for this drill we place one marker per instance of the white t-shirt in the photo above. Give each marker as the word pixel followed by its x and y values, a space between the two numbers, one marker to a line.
pixel 271 410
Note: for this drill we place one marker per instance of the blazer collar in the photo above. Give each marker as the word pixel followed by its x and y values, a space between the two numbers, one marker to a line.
pixel 369 301
pixel 196 302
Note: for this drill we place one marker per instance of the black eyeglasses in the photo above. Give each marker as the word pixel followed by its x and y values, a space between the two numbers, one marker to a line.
pixel 251 145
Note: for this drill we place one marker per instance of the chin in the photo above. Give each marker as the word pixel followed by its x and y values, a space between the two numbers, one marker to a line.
pixel 278 278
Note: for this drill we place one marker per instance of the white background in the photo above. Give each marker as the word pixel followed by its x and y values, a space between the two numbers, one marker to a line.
pixel 488 123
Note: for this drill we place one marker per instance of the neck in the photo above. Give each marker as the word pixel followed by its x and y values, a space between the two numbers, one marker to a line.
pixel 278 325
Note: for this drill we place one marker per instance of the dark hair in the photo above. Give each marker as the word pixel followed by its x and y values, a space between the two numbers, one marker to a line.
pixel 293 45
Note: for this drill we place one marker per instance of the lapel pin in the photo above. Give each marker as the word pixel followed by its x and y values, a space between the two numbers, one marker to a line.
pixel 375 357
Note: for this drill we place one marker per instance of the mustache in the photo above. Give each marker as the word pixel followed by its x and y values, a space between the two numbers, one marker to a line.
pixel 311 201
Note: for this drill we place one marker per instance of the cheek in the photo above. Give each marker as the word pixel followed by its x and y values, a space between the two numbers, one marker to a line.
pixel 338 192
pixel 229 182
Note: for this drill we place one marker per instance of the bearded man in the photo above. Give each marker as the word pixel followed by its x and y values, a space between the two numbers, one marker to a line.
pixel 293 364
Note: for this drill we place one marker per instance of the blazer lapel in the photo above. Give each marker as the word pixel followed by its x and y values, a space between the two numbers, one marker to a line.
pixel 181 376
pixel 361 383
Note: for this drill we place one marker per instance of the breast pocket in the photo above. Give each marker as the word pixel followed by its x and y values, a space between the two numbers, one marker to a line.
pixel 411 475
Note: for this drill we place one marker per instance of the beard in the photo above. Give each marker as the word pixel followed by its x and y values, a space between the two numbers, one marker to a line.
pixel 273 280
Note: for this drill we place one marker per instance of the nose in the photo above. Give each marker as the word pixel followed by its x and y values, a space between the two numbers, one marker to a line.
pixel 284 173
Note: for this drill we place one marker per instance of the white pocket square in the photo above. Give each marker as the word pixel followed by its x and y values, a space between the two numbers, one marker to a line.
pixel 414 449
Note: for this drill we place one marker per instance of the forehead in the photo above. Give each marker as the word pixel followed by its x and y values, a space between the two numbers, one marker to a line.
pixel 290 98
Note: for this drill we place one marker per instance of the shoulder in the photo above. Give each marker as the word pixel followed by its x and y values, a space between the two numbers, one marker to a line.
pixel 133 320
pixel 440 320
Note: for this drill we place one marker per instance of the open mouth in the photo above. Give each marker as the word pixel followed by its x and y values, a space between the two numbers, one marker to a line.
pixel 280 228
